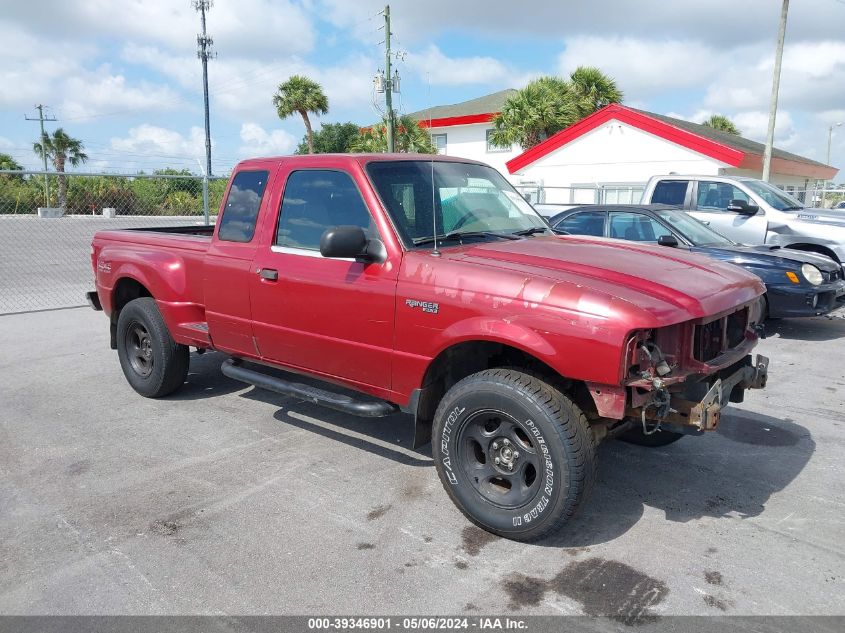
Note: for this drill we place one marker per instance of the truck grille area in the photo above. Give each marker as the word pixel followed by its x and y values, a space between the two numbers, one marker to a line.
pixel 714 338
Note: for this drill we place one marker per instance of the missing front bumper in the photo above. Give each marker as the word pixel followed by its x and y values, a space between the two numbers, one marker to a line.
pixel 729 385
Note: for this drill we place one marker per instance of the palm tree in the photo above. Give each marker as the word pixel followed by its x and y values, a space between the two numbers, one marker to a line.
pixel 408 137
pixel 303 95
pixel 549 104
pixel 9 163
pixel 723 123
pixel 531 115
pixel 593 88
pixel 61 149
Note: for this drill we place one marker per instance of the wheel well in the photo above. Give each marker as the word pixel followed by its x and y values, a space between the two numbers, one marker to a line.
pixel 815 248
pixel 470 357
pixel 126 290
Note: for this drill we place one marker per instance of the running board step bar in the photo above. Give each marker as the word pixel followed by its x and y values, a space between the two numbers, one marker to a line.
pixel 336 401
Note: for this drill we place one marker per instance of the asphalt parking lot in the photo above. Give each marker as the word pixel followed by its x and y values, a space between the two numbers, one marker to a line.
pixel 225 499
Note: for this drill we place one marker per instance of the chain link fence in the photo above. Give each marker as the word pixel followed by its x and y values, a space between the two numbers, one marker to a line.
pixel 46 227
pixel 47 221
pixel 813 197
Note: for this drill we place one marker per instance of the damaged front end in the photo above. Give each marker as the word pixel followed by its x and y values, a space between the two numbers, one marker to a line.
pixel 680 377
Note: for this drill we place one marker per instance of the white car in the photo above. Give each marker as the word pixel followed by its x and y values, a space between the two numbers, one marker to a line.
pixel 751 211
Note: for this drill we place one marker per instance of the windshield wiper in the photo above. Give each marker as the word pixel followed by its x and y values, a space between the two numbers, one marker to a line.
pixel 459 235
pixel 792 208
pixel 532 231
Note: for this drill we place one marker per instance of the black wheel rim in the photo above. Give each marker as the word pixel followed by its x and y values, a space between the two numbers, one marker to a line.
pixel 139 349
pixel 501 458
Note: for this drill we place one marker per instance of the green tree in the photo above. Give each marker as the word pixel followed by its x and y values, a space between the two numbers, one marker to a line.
pixel 331 138
pixel 7 162
pixel 301 95
pixel 593 89
pixel 531 115
pixel 409 137
pixel 61 149
pixel 722 123
pixel 549 104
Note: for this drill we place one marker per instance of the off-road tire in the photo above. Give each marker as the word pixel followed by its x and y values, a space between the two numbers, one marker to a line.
pixel 153 363
pixel 660 438
pixel 547 429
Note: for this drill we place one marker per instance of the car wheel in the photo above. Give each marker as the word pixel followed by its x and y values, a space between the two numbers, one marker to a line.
pixel 153 363
pixel 515 455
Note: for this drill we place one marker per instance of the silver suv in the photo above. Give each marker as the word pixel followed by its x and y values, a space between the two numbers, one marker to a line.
pixel 751 211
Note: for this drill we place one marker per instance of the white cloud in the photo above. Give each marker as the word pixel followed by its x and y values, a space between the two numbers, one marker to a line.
pixel 245 86
pixel 244 27
pixel 259 142
pixel 721 23
pixel 151 141
pixel 89 94
pixel 456 71
pixel 642 67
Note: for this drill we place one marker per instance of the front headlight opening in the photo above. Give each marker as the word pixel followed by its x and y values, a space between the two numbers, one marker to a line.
pixel 812 274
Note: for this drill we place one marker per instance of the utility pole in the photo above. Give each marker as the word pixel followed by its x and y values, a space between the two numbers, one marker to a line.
pixel 41 118
pixel 773 104
pixel 388 94
pixel 204 43
pixel 829 139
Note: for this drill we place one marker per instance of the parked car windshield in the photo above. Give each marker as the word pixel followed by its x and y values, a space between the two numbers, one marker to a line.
pixel 773 196
pixel 450 197
pixel 697 233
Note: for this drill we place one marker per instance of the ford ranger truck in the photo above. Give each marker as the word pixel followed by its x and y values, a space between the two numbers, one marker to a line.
pixel 427 284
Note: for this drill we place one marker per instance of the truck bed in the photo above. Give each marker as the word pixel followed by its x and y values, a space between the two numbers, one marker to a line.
pixel 205 231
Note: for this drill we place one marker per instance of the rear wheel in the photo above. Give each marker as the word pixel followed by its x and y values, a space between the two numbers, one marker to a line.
pixel 153 363
pixel 514 454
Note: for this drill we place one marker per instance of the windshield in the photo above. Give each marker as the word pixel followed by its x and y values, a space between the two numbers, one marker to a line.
pixel 773 196
pixel 422 196
pixel 697 233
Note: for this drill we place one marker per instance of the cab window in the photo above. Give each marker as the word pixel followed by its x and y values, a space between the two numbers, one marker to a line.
pixel 316 200
pixel 716 196
pixel 241 209
pixel 672 192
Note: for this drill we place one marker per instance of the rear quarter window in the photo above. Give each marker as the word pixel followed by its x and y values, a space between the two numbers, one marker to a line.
pixel 672 192
pixel 241 209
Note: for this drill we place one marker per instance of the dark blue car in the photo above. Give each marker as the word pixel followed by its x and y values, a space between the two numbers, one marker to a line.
pixel 798 283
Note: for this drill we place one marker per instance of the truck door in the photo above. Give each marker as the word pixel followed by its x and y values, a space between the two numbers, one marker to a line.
pixel 229 260
pixel 711 206
pixel 334 317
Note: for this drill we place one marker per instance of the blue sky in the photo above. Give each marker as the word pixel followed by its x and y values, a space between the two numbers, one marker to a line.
pixel 124 77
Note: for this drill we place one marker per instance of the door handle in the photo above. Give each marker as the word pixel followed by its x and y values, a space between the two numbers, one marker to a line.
pixel 270 274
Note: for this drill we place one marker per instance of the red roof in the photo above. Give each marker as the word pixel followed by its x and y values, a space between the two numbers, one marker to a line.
pixel 730 149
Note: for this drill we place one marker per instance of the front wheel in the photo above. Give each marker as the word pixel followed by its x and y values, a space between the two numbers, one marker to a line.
pixel 514 454
pixel 153 363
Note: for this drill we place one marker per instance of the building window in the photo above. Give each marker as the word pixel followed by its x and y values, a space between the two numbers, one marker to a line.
pixel 439 141
pixel 495 148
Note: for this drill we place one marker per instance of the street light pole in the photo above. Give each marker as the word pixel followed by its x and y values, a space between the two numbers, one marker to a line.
pixel 773 104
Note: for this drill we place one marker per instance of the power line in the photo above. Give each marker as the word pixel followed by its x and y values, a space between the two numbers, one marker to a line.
pixel 41 118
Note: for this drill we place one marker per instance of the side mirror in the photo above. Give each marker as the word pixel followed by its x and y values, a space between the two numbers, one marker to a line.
pixel 742 207
pixel 351 242
pixel 667 240
pixel 343 241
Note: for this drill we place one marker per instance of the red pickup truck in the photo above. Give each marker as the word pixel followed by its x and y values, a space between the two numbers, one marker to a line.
pixel 428 284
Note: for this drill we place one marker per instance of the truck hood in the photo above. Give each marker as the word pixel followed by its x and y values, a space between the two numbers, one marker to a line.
pixel 768 255
pixel 669 284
